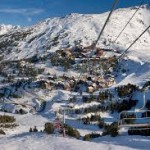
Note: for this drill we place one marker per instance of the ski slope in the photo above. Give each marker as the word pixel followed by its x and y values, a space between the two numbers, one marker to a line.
pixel 60 33
pixel 21 139
pixel 47 142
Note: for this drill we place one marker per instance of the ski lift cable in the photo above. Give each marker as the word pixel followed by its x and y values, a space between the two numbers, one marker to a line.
pixel 95 43
pixel 104 26
pixel 123 53
pixel 101 32
pixel 93 46
pixel 142 2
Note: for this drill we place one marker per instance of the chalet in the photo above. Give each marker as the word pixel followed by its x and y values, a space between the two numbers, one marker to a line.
pixel 73 78
pixel 39 78
pixel 72 83
pixel 90 89
pixel 99 52
pixel 100 79
pixel 45 84
pixel 48 85
pixel 68 53
pixel 67 86
pixel 102 84
pixel 83 78
pixel 111 82
pixel 94 85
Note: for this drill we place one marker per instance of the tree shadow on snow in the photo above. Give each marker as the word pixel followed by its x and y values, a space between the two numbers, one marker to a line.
pixel 136 142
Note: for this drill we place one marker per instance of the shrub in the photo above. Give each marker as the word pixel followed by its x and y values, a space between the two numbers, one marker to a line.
pixel 16 96
pixel 105 133
pixel 104 95
pixel 86 99
pixel 2 132
pixel 49 128
pixel 8 125
pixel 126 90
pixel 72 131
pixel 95 117
pixel 124 105
pixel 86 120
pixel 94 135
pixel 35 129
pixel 90 109
pixel 101 124
pixel 86 137
pixel 146 85
pixel 7 119
pixel 114 132
pixel 30 130
pixel 111 129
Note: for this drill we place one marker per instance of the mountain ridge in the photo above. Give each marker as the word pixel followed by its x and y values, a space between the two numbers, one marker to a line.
pixel 62 32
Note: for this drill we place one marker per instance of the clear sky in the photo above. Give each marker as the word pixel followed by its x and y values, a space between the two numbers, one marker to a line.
pixel 28 12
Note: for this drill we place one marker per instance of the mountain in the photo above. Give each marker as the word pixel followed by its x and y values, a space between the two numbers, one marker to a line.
pixel 49 73
pixel 7 28
pixel 56 33
pixel 65 32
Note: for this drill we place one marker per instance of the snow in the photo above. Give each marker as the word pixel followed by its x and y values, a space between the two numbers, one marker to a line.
pixel 7 28
pixel 38 141
pixel 69 30
pixel 19 137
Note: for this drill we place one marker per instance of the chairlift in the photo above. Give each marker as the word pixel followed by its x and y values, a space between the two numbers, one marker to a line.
pixel 121 122
pixel 135 121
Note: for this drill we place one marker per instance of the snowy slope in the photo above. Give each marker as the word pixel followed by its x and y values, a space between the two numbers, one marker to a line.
pixel 55 33
pixel 7 28
pixel 47 142
pixel 58 33
pixel 21 139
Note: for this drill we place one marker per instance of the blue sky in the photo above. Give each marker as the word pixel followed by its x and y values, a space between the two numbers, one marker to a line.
pixel 28 12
